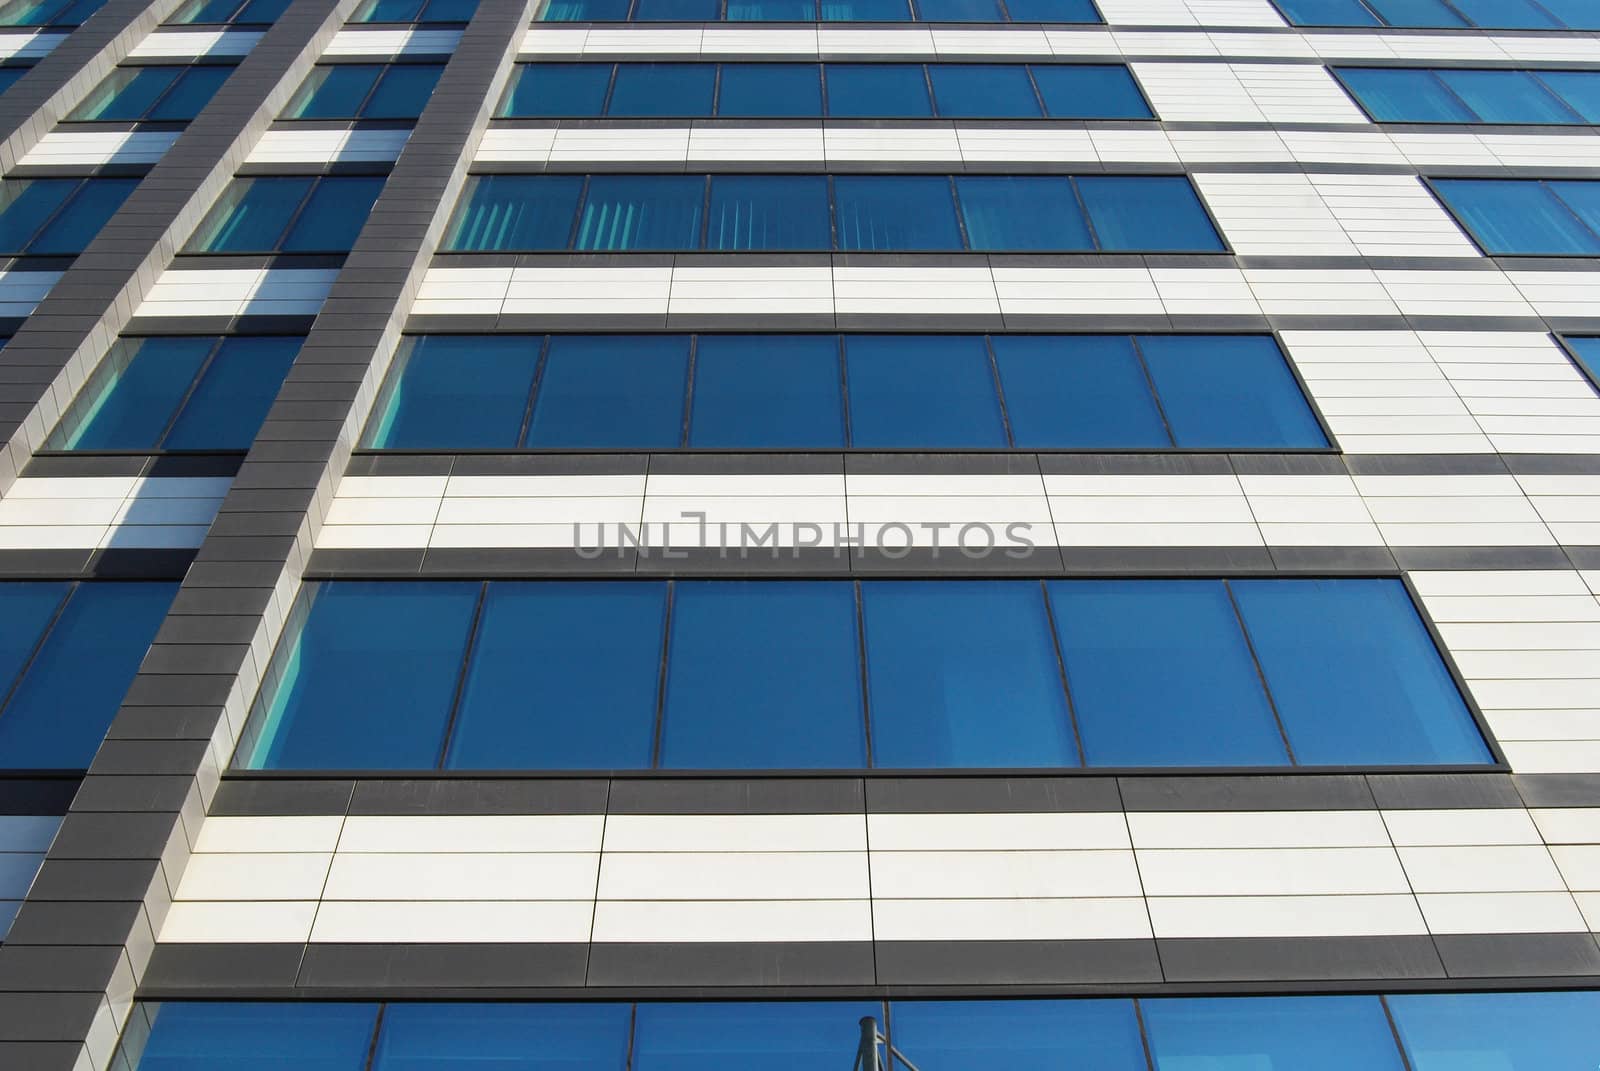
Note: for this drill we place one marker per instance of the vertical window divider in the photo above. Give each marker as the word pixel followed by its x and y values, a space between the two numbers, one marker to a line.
pixel 866 692
pixel 633 1030
pixel 961 218
pixel 661 675
pixel 833 215
pixel 38 645
pixel 1261 675
pixel 577 212
pixel 927 86
pixel 705 212
pixel 1457 97
pixel 688 390
pixel 611 89
pixel 1155 395
pixel 1577 119
pixel 822 84
pixel 1061 669
pixel 372 91
pixel 1583 225
pixel 844 387
pixel 1027 69
pixel 716 88
pixel 194 384
pixel 377 1032
pixel 999 391
pixel 1458 13
pixel 60 210
pixel 461 675
pixel 1088 220
pixel 1394 1029
pixel 1560 23
pixel 632 12
pixel 172 87
pixel 539 361
pixel 299 210
pixel 1144 1033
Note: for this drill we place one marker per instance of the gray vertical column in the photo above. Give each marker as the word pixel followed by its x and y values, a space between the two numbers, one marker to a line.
pixel 66 336
pixel 83 937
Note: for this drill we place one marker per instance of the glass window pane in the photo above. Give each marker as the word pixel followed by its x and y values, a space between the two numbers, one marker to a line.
pixel 1229 391
pixel 964 674
pixel 512 212
pixel 877 90
pixel 767 391
pixel 26 607
pixel 1270 1034
pixel 1147 213
pixel 388 11
pixel 1580 89
pixel 9 76
pixel 642 212
pixel 76 225
pixel 1577 14
pixel 676 89
pixel 959 10
pixel 1499 1031
pixel 503 1037
pixel 1355 675
pixel 781 212
pixel 192 93
pixel 772 11
pixel 1396 96
pixel 233 396
pixel 770 89
pixel 449 11
pixel 1507 97
pixel 204 11
pixel 618 391
pixel 333 91
pixel 1506 14
pixel 788 1036
pixel 1022 213
pixel 131 397
pixel 455 392
pixel 1583 198
pixel 1052 11
pixel 1083 91
pixel 1516 217
pixel 563 677
pixel 1077 391
pixel 1161 675
pixel 866 10
pixel 1415 13
pixel 59 714
pixel 677 10
pixel 558 89
pixel 923 391
pixel 1327 13
pixel 583 11
pixel 24 204
pixel 763 675
pixel 262 12
pixel 250 216
pixel 983 91
pixel 126 94
pixel 1588 353
pixel 242 1036
pixel 366 679
pixel 403 91
pixel 895 212
pixel 334 215
pixel 1018 1035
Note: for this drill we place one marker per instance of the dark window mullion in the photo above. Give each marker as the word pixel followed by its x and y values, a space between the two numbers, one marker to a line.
pixel 961 218
pixel 60 210
pixel 1394 1030
pixel 861 656
pixel 611 88
pixel 1150 385
pixel 1453 95
pixel 294 217
pixel 1578 119
pixel 539 361
pixel 1061 668
pixel 467 651
pixel 577 213
pixel 377 1033
pixel 38 645
pixel 688 391
pixel 661 673
pixel 1083 210
pixel 1261 674
pixel 194 383
pixel 999 390
pixel 844 387
pixel 1583 224
pixel 1038 96
pixel 705 214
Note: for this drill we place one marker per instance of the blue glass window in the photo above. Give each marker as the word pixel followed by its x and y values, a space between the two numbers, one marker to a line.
pixel 865 10
pixel 558 89
pixel 57 714
pixel 644 89
pixel 1393 95
pixel 987 91
pixel 766 390
pixel 1022 212
pixel 762 675
pixel 768 212
pixel 455 392
pixel 1087 91
pixel 583 10
pixel 890 90
pixel 676 10
pixel 922 391
pixel 1354 674
pixel 403 91
pixel 1228 391
pixel 1488 14
pixel 1521 216
pixel 803 11
pixel 515 212
pixel 9 76
pixel 26 608
pixel 641 212
pixel 1019 1035
pixel 788 1036
pixel 620 391
pixel 1504 1031
pixel 503 1037
pixel 895 213
pixel 47 12
pixel 1579 89
pixel 1154 212
pixel 1466 96
pixel 770 89
pixel 1077 391
pixel 333 91
pixel 284 214
pixel 177 393
pixel 366 680
pixel 234 12
pixel 1506 14
pixel 1576 14
pixel 772 11
pixel 433 11
pixel 1052 11
pixel 1161 675
pixel 959 10
pixel 1327 13
pixel 963 674
pixel 131 94
pixel 1587 351
pixel 562 676
pixel 197 1036
pixel 57 217
pixel 1507 97
pixel 1271 1034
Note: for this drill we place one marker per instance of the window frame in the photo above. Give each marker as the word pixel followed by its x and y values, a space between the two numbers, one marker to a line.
pixel 1430 183
pixel 1379 23
pixel 232 20
pixel 912 15
pixel 188 248
pixel 356 119
pixel 419 21
pixel 82 182
pixel 229 63
pixel 1534 73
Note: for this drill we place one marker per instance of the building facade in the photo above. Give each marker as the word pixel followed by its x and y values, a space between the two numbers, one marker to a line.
pixel 653 534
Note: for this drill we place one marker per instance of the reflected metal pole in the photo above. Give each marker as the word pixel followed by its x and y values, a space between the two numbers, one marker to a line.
pixel 867 1051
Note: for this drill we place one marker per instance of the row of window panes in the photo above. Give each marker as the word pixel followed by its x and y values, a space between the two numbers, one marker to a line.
pixel 1407 95
pixel 1527 216
pixel 229 12
pixel 1016 213
pixel 417 11
pixel 152 94
pixel 287 214
pixel 838 90
pixel 57 216
pixel 177 393
pixel 68 652
pixel 1445 14
pixel 896 674
pixel 62 13
pixel 1071 11
pixel 1528 1031
pixel 265 12
pixel 1196 392
pixel 364 91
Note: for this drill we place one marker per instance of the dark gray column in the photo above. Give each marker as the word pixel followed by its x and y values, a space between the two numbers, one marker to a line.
pixel 67 335
pixel 83 938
